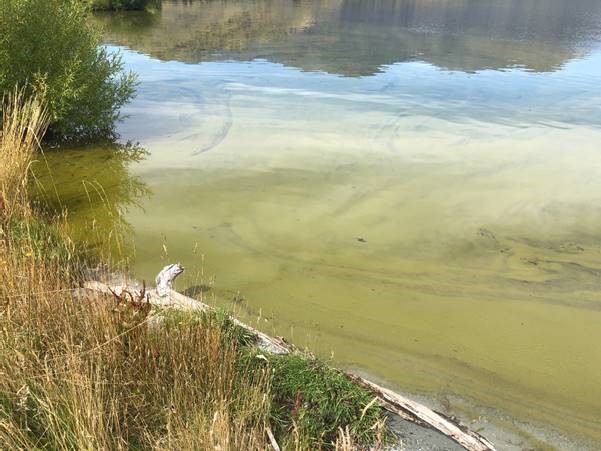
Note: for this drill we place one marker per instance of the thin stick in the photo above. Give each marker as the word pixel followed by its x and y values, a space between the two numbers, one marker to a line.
pixel 274 444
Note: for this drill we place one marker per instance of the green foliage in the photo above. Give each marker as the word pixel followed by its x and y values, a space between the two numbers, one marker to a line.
pixel 318 400
pixel 311 401
pixel 49 47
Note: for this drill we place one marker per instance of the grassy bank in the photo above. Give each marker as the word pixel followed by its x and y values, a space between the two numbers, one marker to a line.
pixel 85 371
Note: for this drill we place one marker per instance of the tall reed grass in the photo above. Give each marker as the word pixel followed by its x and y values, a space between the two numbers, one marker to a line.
pixel 24 122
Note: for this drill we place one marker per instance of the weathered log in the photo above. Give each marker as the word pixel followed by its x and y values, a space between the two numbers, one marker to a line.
pixel 165 296
pixel 166 277
pixel 404 407
pixel 172 299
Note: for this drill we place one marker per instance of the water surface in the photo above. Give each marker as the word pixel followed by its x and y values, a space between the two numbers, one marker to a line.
pixel 413 186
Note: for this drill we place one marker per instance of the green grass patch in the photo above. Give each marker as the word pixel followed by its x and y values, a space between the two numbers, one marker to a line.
pixel 318 400
pixel 311 401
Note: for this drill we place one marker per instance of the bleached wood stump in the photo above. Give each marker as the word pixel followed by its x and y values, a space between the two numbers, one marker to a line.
pixel 165 278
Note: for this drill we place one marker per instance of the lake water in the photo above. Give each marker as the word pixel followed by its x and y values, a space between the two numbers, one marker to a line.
pixel 411 186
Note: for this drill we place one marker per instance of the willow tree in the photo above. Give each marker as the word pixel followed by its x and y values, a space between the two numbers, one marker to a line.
pixel 52 50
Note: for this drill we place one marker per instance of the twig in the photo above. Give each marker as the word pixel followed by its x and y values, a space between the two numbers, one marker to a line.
pixel 274 444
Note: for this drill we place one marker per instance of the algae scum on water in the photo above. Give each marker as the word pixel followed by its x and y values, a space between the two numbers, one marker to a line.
pixel 413 186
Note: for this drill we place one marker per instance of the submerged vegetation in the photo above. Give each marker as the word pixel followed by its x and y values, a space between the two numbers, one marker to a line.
pixel 81 370
pixel 51 49
pixel 124 4
pixel 95 178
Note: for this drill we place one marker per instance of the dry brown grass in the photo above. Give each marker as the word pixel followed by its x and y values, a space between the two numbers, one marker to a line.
pixel 24 122
pixel 84 374
pixel 88 374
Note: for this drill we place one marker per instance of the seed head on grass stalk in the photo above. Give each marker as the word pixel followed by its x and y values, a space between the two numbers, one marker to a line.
pixel 24 122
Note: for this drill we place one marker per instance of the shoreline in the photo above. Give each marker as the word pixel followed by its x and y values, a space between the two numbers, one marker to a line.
pixel 507 432
pixel 413 424
pixel 504 431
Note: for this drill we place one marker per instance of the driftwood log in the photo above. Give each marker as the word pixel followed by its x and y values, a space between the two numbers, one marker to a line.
pixel 410 409
pixel 165 296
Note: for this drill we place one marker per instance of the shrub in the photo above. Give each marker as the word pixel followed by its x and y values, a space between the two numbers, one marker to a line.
pixel 50 48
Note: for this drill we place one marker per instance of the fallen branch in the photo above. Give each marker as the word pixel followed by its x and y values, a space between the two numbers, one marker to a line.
pixel 274 443
pixel 169 298
pixel 406 407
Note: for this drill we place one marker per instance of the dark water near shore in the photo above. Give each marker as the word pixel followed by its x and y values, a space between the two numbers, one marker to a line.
pixel 413 186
